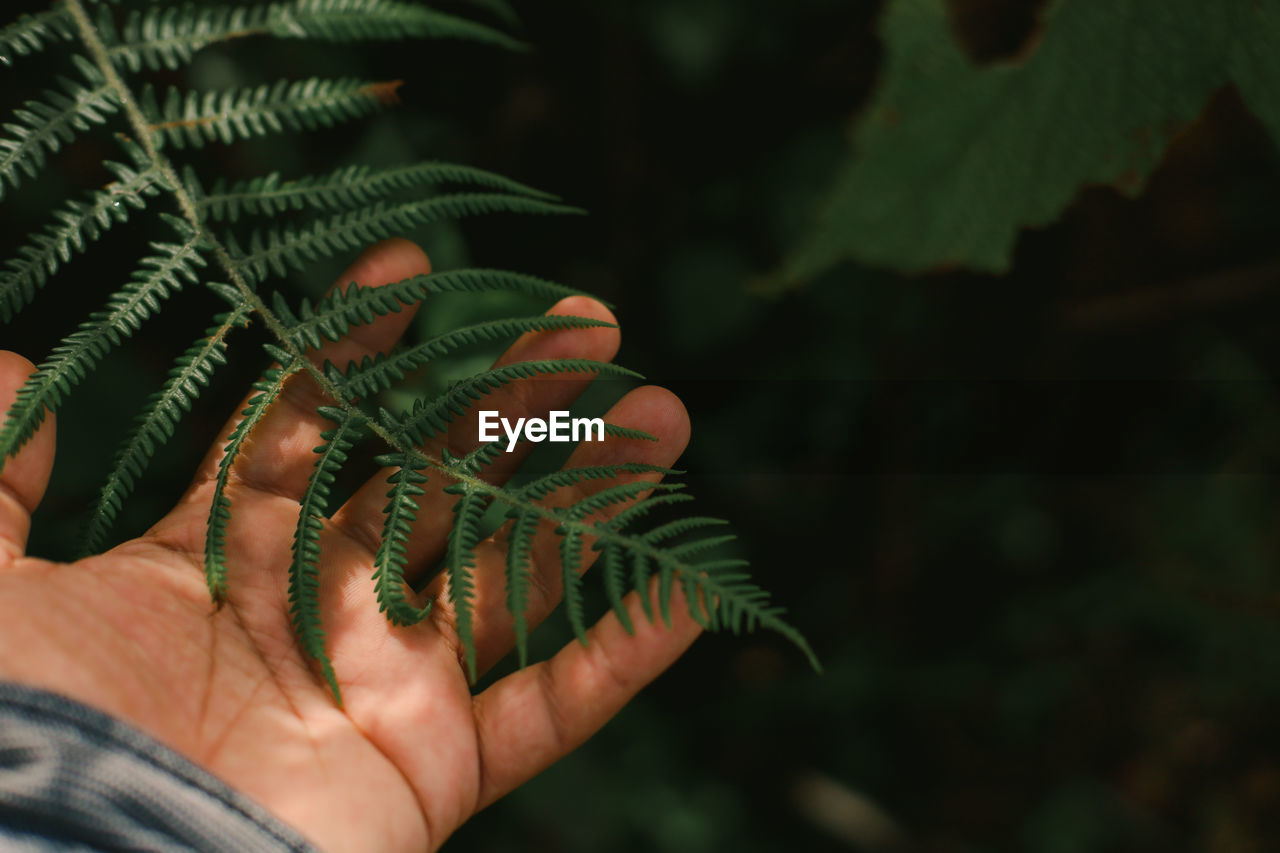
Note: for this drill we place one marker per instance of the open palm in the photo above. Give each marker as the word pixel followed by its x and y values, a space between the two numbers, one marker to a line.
pixel 412 753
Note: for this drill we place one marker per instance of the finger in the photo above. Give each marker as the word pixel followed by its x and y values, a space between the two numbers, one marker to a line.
pixel 281 456
pixel 652 409
pixel 26 475
pixel 532 718
pixel 361 517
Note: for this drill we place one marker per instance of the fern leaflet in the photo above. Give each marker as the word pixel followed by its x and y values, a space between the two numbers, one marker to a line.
pixel 168 36
pixel 275 250
pixel 158 420
pixel 43 127
pixel 346 189
pixel 215 546
pixel 304 571
pixel 461 561
pixel 75 226
pixel 390 560
pixel 382 372
pixel 31 33
pixel 72 359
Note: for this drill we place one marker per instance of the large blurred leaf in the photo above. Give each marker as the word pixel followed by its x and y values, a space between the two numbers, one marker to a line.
pixel 951 159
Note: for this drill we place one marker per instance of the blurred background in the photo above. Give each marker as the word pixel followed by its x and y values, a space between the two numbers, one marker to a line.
pixel 1028 521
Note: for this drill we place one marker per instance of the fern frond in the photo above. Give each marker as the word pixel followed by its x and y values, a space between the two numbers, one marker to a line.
pixel 381 372
pixel 460 558
pixel 619 494
pixel 613 576
pixel 519 578
pixel 680 526
pixel 268 389
pixel 722 595
pixel 623 519
pixel 345 189
pixel 275 250
pixel 72 359
pixel 571 545
pixel 75 226
pixel 42 127
pixel 32 33
pixel 168 36
pixel 158 420
pixel 351 20
pixel 565 477
pixel 640 582
pixel 356 305
pixel 429 418
pixel 304 571
pixel 197 118
pixel 390 561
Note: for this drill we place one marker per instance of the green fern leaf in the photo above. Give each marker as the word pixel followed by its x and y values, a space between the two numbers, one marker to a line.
pixel 356 305
pixel 390 561
pixel 75 226
pixel 571 545
pixel 215 545
pixel 32 33
pixel 72 359
pixel 640 582
pixel 276 250
pixel 158 420
pixel 461 561
pixel 346 189
pixel 349 20
pixel 613 573
pixel 43 127
pixel 304 571
pixel 619 494
pixel 197 118
pixel 382 372
pixel 168 36
pixel 565 477
pixel 519 578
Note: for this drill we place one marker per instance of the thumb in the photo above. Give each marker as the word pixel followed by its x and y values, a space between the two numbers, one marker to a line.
pixel 24 477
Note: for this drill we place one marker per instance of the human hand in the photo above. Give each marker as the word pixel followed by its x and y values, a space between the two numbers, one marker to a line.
pixel 412 753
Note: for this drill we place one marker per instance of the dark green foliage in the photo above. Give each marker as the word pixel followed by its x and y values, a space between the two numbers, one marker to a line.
pixel 352 206
pixel 1033 132
pixel 195 118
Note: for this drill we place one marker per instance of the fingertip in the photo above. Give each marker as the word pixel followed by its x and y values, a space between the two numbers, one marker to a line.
pixel 658 411
pixel 25 475
pixel 387 262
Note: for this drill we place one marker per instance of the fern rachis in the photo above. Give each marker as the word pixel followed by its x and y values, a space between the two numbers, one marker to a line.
pixel 220 242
